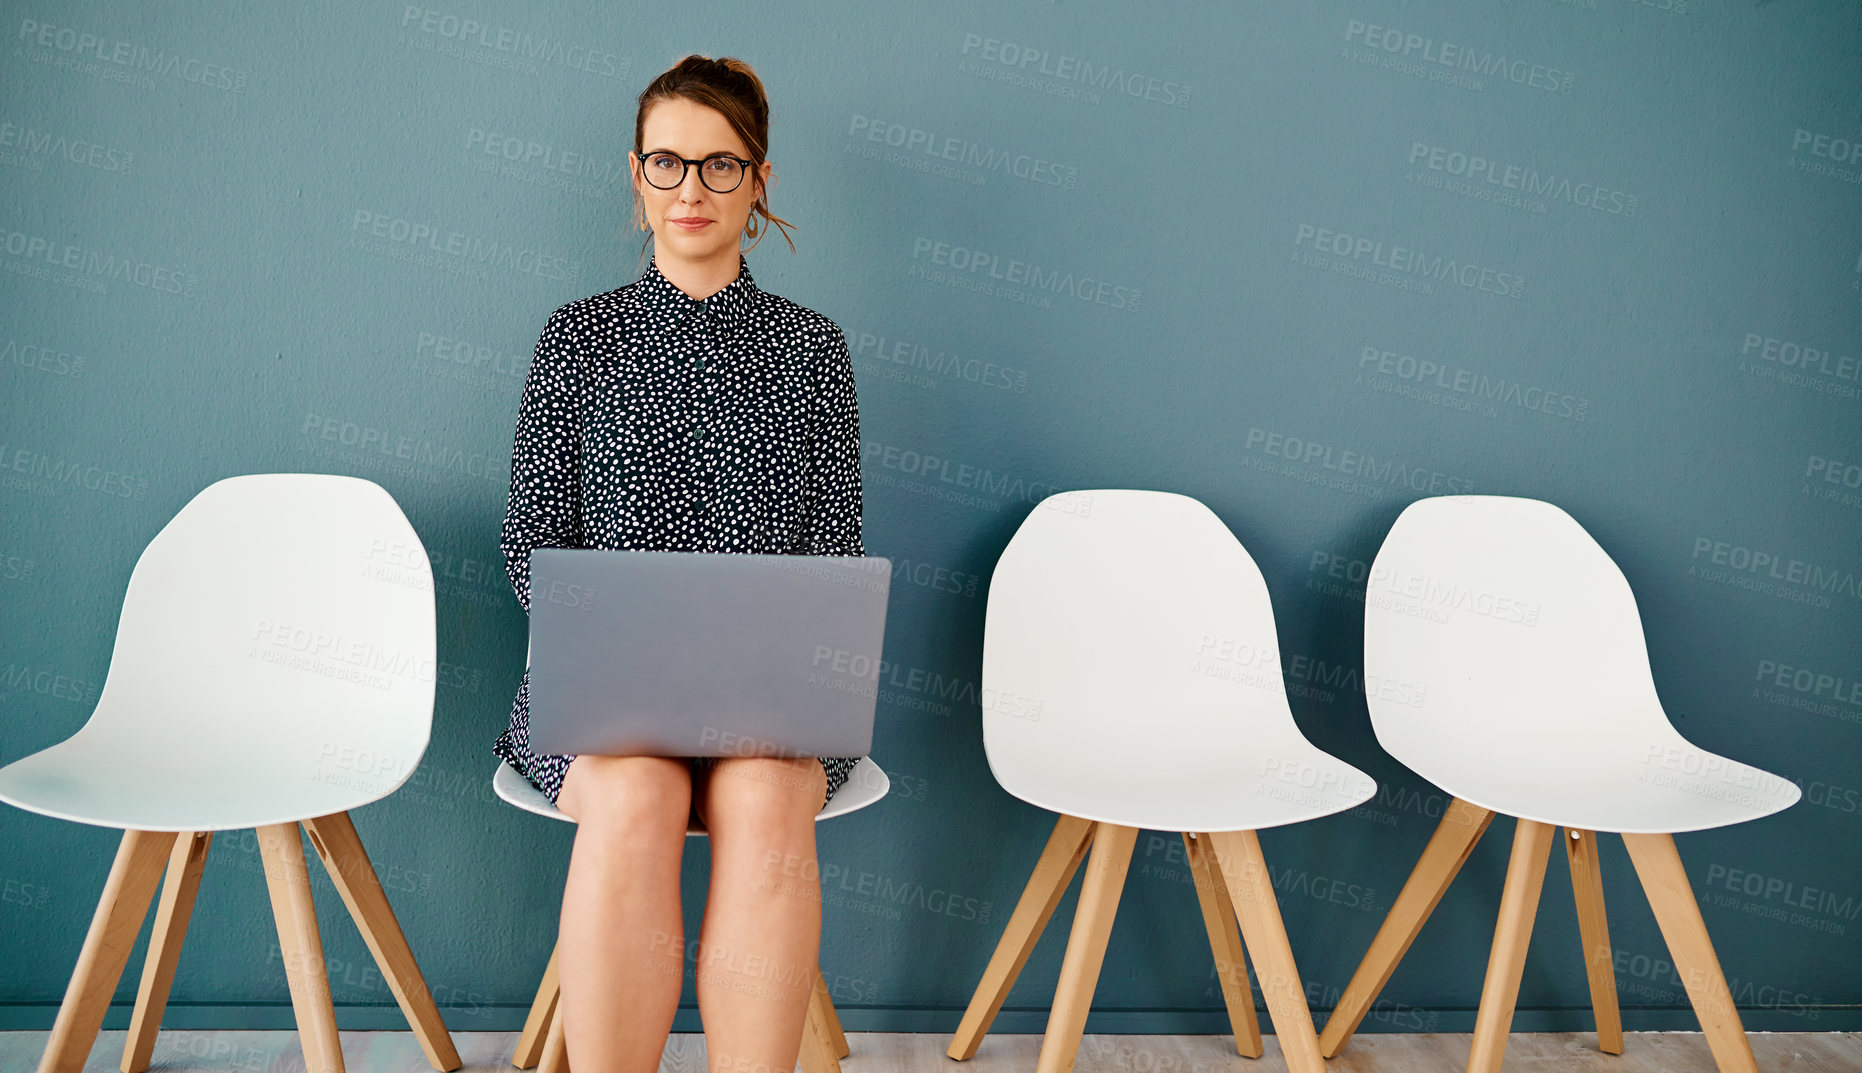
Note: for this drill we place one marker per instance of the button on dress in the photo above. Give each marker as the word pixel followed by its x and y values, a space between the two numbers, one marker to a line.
pixel 652 421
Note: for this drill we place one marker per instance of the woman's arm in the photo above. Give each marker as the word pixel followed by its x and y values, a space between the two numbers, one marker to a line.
pixel 545 508
pixel 832 523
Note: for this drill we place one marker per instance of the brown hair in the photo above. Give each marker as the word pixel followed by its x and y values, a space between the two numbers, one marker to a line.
pixel 728 85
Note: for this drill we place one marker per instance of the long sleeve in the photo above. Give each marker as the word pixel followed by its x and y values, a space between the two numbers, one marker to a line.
pixel 545 508
pixel 832 524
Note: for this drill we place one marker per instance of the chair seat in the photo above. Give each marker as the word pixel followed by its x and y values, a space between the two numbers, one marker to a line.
pixel 177 786
pixel 865 784
pixel 1244 787
pixel 1585 784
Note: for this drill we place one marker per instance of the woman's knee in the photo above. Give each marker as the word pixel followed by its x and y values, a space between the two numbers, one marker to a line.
pixel 629 793
pixel 747 791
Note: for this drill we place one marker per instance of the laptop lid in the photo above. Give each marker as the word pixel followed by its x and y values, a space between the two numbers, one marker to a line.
pixel 660 653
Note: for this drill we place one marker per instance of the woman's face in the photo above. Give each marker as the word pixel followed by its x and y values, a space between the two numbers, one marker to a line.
pixel 691 221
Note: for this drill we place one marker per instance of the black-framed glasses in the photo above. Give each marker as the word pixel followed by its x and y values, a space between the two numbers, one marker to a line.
pixel 720 172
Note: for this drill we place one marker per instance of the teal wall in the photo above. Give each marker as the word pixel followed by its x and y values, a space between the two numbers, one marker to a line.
pixel 1306 261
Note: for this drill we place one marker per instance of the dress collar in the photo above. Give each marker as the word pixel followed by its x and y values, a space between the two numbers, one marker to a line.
pixel 724 311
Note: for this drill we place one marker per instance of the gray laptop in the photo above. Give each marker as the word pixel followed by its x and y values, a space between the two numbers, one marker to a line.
pixel 667 653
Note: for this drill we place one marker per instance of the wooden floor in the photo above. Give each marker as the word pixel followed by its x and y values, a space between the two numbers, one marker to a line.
pixel 899 1052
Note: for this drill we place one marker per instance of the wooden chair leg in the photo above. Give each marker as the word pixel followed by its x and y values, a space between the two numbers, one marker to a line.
pixel 185 863
pixel 288 879
pixel 1594 931
pixel 829 1017
pixel 1519 904
pixel 1664 880
pixel 134 875
pixel 1086 945
pixel 1251 890
pixel 819 1053
pixel 555 1051
pixel 1231 962
pixel 1448 849
pixel 348 864
pixel 537 1024
pixel 1066 848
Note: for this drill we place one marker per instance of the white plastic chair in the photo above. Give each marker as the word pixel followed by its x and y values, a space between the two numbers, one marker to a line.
pixel 823 1042
pixel 274 665
pixel 1533 698
pixel 1132 678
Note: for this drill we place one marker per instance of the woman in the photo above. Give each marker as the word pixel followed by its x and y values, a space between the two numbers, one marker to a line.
pixel 689 410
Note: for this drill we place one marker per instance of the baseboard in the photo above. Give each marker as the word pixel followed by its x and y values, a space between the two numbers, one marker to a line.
pixel 26 1016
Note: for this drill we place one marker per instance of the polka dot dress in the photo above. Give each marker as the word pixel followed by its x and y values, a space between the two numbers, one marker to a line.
pixel 651 421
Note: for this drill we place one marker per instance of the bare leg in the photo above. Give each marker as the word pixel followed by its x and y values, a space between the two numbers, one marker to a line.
pixel 621 953
pixel 762 931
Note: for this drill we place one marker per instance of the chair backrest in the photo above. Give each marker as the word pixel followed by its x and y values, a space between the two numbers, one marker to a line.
pixel 279 618
pixel 1512 632
pixel 1126 627
pixel 1527 680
